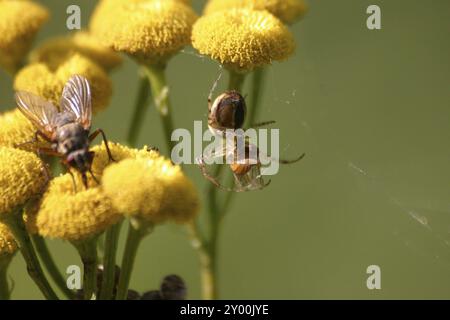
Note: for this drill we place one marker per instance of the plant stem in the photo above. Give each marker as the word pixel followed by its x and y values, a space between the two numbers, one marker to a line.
pixel 136 232
pixel 109 262
pixel 4 287
pixel 207 269
pixel 157 77
pixel 208 275
pixel 88 253
pixel 49 264
pixel 235 80
pixel 142 99
pixel 258 81
pixel 15 223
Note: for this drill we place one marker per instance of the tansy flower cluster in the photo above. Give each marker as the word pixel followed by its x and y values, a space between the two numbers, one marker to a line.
pixel 152 189
pixel 22 176
pixel 141 183
pixel 56 50
pixel 15 128
pixel 8 245
pixel 149 30
pixel 48 80
pixel 41 199
pixel 287 11
pixel 19 23
pixel 242 39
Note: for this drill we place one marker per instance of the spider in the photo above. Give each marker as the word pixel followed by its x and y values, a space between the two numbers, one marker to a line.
pixel 227 114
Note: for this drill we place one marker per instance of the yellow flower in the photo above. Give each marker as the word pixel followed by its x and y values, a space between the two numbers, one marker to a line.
pixel 74 216
pixel 243 39
pixel 119 152
pixel 58 49
pixel 287 11
pixel 152 189
pixel 149 30
pixel 48 81
pixel 22 176
pixel 19 23
pixel 8 245
pixel 15 128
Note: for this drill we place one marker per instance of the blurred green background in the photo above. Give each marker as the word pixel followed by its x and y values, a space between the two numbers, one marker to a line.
pixel 371 111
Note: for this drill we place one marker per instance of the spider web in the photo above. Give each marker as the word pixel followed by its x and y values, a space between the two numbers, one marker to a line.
pixel 422 225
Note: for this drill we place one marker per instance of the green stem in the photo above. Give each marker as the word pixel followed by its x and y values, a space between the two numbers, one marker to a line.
pixel 136 232
pixel 208 275
pixel 157 77
pixel 235 80
pixel 87 250
pixel 109 262
pixel 258 81
pixel 15 223
pixel 50 265
pixel 4 287
pixel 140 109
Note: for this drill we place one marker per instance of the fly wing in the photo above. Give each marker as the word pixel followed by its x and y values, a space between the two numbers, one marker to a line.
pixel 76 99
pixel 41 113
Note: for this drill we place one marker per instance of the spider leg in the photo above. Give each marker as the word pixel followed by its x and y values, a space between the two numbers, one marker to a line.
pixel 292 161
pixel 211 92
pixel 261 155
pixel 201 163
pixel 262 124
pixel 95 134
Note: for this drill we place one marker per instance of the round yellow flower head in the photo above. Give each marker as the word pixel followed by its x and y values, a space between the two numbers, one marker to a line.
pixel 119 152
pixel 152 189
pixel 48 81
pixel 149 30
pixel 287 11
pixel 19 23
pixel 74 216
pixel 243 39
pixel 22 176
pixel 8 245
pixel 58 49
pixel 15 128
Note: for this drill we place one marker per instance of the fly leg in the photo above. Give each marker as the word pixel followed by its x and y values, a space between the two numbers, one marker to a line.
pixel 48 152
pixel 67 166
pixel 95 134
pixel 35 139
pixel 84 179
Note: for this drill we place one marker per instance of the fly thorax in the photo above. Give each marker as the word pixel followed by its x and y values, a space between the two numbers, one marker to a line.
pixel 71 137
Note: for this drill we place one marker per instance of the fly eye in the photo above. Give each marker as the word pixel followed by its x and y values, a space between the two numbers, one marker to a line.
pixel 230 111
